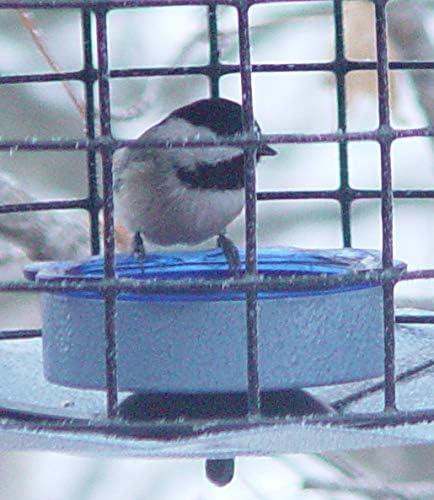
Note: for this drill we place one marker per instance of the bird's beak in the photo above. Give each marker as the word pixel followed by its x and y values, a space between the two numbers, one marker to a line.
pixel 265 150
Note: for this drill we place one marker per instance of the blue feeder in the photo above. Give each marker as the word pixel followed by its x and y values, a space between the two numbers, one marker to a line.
pixel 195 342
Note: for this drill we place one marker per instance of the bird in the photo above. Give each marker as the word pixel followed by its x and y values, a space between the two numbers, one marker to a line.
pixel 172 196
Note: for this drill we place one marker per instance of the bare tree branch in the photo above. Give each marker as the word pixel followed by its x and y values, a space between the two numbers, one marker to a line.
pixel 27 22
pixel 43 235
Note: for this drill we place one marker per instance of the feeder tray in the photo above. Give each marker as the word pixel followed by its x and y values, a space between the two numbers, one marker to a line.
pixel 195 342
pixel 40 415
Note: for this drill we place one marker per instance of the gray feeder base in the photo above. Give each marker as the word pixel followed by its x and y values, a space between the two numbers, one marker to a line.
pixel 22 385
pixel 194 347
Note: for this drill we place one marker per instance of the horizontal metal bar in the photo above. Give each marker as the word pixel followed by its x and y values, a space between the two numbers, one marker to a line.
pixel 298 195
pixel 415 319
pixel 14 419
pixel 44 205
pixel 348 194
pixel 399 65
pixel 118 4
pixel 19 334
pixel 245 283
pixel 207 70
pixel 222 69
pixel 56 144
pixel 47 77
pixel 397 193
pixel 225 69
pixel 105 4
pixel 418 274
pixel 166 71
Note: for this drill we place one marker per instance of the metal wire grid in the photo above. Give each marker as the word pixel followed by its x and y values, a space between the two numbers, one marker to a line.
pixel 104 144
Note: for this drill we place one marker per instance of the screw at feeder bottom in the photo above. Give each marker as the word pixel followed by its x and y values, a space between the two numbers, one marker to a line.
pixel 220 472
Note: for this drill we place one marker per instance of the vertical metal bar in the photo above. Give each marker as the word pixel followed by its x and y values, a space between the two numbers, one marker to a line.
pixel 109 247
pixel 340 72
pixel 214 62
pixel 89 80
pixel 386 203
pixel 254 402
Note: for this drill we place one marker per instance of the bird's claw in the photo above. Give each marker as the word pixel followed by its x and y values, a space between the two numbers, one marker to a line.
pixel 138 249
pixel 231 253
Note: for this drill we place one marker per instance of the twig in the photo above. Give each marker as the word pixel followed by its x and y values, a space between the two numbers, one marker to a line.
pixel 27 22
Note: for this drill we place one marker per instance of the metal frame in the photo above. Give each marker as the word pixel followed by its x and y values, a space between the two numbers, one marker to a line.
pixel 104 144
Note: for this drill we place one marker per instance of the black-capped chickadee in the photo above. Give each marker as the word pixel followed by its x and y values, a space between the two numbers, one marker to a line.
pixel 185 195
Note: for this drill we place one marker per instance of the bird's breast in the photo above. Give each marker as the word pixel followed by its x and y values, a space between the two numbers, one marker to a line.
pixel 167 212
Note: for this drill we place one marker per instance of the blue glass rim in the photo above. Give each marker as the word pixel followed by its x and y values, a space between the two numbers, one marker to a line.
pixel 211 264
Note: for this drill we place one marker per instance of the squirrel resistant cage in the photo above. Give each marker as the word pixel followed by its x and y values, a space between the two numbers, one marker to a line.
pixel 217 365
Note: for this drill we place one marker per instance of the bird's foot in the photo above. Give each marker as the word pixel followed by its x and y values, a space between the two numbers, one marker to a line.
pixel 138 248
pixel 231 253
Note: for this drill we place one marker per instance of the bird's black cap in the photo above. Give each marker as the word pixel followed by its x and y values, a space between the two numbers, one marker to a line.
pixel 222 116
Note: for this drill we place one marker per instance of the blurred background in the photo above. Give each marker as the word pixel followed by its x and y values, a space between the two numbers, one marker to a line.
pixel 293 102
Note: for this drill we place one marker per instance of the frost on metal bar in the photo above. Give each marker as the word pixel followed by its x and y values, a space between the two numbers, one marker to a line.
pixel 253 399
pixel 340 71
pixel 66 144
pixel 386 204
pixel 109 243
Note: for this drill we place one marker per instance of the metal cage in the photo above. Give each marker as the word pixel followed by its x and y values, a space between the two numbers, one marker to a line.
pixel 104 144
